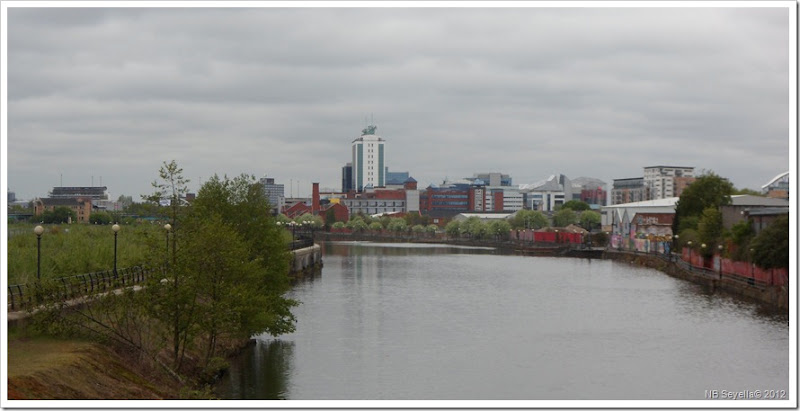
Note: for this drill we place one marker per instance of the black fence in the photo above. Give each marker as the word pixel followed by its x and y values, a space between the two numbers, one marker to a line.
pixel 65 288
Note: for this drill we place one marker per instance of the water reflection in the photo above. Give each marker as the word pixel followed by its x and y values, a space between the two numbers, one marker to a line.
pixel 261 372
pixel 459 323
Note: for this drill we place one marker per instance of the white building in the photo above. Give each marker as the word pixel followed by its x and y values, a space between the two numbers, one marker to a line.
pixel 660 180
pixel 546 195
pixel 368 160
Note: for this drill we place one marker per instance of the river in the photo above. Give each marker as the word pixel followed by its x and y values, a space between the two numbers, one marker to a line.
pixel 430 322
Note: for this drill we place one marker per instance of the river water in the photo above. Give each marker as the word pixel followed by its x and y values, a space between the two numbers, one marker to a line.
pixel 435 322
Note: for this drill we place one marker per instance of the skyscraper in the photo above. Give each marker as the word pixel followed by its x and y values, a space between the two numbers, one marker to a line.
pixel 368 160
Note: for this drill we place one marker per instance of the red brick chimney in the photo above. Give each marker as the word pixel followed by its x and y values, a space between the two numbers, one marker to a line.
pixel 315 199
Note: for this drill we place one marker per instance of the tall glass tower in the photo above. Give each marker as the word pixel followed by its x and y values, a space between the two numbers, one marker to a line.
pixel 368 160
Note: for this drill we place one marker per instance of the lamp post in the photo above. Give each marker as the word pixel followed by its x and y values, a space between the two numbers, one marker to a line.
pixel 167 228
pixel 703 253
pixel 689 243
pixel 752 264
pixel 674 243
pixel 115 228
pixel 38 231
pixel 719 247
pixel 556 236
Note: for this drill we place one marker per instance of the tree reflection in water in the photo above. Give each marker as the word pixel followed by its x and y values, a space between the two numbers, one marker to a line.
pixel 261 371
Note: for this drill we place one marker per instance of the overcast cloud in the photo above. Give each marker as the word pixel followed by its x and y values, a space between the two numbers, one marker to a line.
pixel 595 92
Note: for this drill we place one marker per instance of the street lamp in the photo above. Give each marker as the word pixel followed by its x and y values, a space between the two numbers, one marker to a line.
pixel 720 260
pixel 38 231
pixel 167 228
pixel 556 236
pixel 689 243
pixel 115 228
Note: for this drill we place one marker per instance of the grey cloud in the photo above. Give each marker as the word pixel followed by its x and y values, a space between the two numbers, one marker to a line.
pixel 595 91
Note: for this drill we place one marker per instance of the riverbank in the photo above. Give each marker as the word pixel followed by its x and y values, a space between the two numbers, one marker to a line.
pixel 773 298
pixel 42 367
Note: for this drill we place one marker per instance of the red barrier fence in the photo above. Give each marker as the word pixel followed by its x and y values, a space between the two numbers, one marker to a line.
pixel 768 276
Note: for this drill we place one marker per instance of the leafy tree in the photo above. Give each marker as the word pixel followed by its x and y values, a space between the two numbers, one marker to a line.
pixel 564 217
pixel 499 229
pixel 575 205
pixel 746 191
pixel 375 226
pixel 741 235
pixel 453 229
pixel 59 215
pixel 590 219
pixel 771 245
pixel 309 220
pixel 474 227
pixel 418 229
pixel 338 225
pixel 397 225
pixel 330 218
pixel 416 218
pixel 529 219
pixel 709 229
pixel 100 217
pixel 708 190
pixel 283 219
pixel 432 228
pixel 356 224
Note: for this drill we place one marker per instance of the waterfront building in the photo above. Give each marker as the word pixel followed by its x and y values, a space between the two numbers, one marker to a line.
pixel 548 194
pixel 493 179
pixel 274 192
pixel 742 206
pixel 81 206
pixel 347 177
pixel 397 178
pixel 620 220
pixel 661 180
pixel 778 187
pixel 589 190
pixel 368 160
pixel 629 190
pixel 93 193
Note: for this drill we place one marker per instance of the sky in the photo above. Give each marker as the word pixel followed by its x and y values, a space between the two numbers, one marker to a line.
pixel 106 95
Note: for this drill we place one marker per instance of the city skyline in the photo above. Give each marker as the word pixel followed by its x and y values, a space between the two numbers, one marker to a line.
pixel 584 91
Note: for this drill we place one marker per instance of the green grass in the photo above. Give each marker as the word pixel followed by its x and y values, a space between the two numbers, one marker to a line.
pixel 79 249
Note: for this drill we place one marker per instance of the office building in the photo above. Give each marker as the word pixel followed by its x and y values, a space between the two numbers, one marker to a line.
pixel 368 160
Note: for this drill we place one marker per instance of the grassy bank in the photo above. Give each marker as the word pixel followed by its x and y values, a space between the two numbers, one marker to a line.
pixel 74 249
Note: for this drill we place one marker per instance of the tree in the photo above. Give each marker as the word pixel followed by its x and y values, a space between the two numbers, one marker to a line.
pixel 564 217
pixel 741 235
pixel 375 226
pixel 590 219
pixel 474 227
pixel 397 225
pixel 330 218
pixel 529 219
pixel 746 191
pixel 708 190
pixel 499 229
pixel 709 230
pixel 453 229
pixel 356 224
pixel 575 205
pixel 59 215
pixel 176 304
pixel 338 225
pixel 100 217
pixel 771 245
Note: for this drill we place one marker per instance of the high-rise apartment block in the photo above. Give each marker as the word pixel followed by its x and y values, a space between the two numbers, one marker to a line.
pixel 274 192
pixel 667 181
pixel 347 177
pixel 368 160
pixel 628 190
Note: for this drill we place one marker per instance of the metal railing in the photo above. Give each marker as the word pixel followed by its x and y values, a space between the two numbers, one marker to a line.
pixel 21 296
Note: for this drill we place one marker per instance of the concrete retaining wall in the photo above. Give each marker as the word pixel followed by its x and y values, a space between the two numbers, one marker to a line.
pixel 305 261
